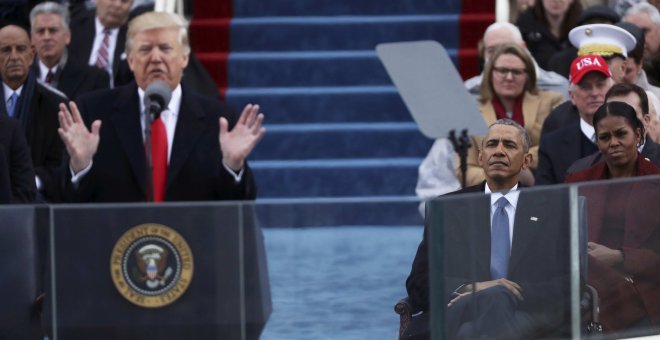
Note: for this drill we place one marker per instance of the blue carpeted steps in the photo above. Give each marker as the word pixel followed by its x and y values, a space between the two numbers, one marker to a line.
pixel 337 33
pixel 344 104
pixel 260 8
pixel 340 141
pixel 336 127
pixel 336 177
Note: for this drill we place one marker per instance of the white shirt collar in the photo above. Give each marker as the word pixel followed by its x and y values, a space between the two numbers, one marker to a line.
pixel 169 116
pixel 43 70
pixel 8 91
pixel 587 130
pixel 99 28
pixel 511 195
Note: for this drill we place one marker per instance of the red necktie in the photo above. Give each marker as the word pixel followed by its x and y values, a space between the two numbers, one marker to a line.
pixel 159 158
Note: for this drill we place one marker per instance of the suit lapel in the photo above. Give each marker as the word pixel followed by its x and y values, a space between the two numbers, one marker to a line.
pixel 651 150
pixel 69 78
pixel 87 36
pixel 189 127
pixel 572 146
pixel 529 220
pixel 473 216
pixel 119 50
pixel 126 119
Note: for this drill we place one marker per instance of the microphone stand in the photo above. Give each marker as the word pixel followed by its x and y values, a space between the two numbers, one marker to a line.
pixel 461 146
pixel 149 116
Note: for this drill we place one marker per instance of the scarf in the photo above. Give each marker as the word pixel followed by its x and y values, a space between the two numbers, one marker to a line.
pixel 500 111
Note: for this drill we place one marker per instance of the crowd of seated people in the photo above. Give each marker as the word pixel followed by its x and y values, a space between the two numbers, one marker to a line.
pixel 605 130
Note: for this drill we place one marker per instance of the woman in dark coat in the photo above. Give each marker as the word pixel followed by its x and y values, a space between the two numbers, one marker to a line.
pixel 545 27
pixel 624 223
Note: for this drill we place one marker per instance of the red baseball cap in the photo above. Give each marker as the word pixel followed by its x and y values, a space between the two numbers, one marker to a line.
pixel 585 64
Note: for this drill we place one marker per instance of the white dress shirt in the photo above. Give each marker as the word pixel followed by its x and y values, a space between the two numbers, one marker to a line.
pixel 588 130
pixel 169 117
pixel 112 45
pixel 8 91
pixel 43 71
pixel 512 197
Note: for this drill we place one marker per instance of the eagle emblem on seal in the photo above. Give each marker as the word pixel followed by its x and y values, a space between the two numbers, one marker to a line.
pixel 151 262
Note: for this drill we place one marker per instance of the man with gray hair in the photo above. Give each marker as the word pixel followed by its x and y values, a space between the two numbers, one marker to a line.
pixel 199 146
pixel 436 173
pixel 53 64
pixel 591 78
pixel 505 257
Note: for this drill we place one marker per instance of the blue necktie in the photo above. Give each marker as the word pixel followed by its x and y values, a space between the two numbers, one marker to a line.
pixel 499 241
pixel 12 104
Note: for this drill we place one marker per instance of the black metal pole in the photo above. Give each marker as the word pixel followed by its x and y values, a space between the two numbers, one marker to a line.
pixel 461 146
pixel 148 118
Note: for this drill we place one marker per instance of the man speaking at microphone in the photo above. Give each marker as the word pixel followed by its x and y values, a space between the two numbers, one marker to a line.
pixel 199 148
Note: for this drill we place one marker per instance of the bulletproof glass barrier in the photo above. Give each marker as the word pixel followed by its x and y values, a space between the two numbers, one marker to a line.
pixel 151 271
pixel 582 262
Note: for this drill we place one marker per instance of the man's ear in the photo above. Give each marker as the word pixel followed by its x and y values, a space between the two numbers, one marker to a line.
pixel 527 160
pixel 480 155
pixel 571 95
pixel 647 119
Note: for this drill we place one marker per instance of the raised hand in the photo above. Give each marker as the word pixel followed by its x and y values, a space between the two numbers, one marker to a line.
pixel 237 144
pixel 81 144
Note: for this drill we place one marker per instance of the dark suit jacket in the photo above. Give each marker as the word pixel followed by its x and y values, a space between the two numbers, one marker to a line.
pixel 195 170
pixel 557 151
pixel 561 61
pixel 620 300
pixel 83 31
pixel 46 147
pixel 75 77
pixel 565 114
pixel 651 151
pixel 16 172
pixel 539 254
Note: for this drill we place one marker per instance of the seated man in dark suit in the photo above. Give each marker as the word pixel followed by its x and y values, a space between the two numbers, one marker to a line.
pixel 636 97
pixel 53 64
pixel 32 104
pixel 606 41
pixel 590 81
pixel 506 274
pixel 196 156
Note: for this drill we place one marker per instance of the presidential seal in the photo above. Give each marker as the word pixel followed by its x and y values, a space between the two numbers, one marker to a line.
pixel 151 265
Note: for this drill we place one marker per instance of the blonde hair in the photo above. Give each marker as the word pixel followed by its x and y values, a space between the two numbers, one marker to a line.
pixel 158 20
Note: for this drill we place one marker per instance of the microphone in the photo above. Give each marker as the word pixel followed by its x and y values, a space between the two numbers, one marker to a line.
pixel 156 97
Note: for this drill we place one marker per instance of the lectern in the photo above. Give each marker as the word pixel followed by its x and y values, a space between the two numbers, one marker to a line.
pixel 163 271
pixel 19 273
